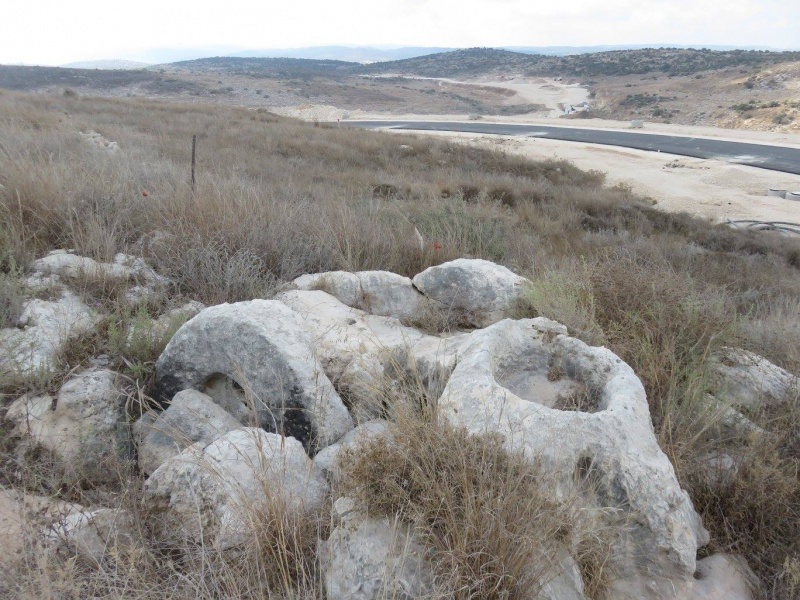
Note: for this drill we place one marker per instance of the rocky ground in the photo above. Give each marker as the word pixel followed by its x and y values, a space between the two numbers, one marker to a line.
pixel 257 401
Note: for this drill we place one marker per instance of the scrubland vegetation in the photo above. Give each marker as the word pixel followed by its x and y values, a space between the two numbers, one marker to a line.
pixel 276 198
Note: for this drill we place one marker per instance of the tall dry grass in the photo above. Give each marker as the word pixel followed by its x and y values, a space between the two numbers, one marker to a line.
pixel 276 198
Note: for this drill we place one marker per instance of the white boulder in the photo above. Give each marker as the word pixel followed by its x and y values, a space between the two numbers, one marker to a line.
pixel 209 491
pixel 326 461
pixel 747 380
pixel 191 417
pixel 377 292
pixel 479 291
pixel 582 412
pixel 373 559
pixel 96 535
pixel 44 328
pixel 86 425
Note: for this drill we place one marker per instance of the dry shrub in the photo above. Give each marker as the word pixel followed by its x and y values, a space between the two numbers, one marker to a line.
pixel 565 294
pixel 661 323
pixel 12 296
pixel 485 514
pixel 213 273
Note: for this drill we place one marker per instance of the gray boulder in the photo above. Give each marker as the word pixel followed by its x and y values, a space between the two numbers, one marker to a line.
pixel 358 350
pixel 373 559
pixel 257 360
pixel 478 291
pixel 86 426
pixel 747 380
pixel 583 413
pixel 376 292
pixel 93 535
pixel 326 460
pixel 191 417
pixel 209 492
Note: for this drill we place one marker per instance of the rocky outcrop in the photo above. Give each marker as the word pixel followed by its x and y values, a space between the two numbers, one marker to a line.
pixel 95 536
pixel 131 270
pixel 85 425
pixel 583 413
pixel 722 577
pixel 372 559
pixel 326 462
pixel 746 380
pixel 69 266
pixel 22 515
pixel 479 292
pixel 257 360
pixel 209 492
pixel 377 292
pixel 44 329
pixel 191 417
pixel 361 352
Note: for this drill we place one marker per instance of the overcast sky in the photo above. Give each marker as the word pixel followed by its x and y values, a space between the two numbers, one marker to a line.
pixel 56 31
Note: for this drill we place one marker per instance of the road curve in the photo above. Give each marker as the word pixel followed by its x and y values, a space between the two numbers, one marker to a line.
pixel 775 158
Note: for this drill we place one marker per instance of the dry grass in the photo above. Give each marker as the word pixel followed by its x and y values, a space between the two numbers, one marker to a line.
pixel 485 514
pixel 276 198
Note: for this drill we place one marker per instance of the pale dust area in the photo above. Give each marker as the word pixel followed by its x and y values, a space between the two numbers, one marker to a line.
pixel 706 188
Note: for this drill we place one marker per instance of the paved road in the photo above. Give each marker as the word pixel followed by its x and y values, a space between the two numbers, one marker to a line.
pixel 776 158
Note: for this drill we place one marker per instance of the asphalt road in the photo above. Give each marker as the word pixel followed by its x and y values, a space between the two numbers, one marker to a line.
pixel 776 158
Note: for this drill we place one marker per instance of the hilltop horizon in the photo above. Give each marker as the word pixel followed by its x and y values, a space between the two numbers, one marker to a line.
pixel 355 53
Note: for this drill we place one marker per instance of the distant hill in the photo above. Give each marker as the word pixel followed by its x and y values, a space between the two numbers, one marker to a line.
pixel 358 54
pixel 267 67
pixel 459 63
pixel 23 78
pixel 570 50
pixel 113 64
pixel 670 61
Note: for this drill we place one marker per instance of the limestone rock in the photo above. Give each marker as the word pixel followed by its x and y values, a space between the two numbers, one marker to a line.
pixel 390 295
pixel 564 582
pixel 722 577
pixel 206 491
pixel 191 417
pixel 583 412
pixel 93 535
pixel 376 292
pixel 151 332
pixel 86 426
pixel 257 353
pixel 326 461
pixel 342 285
pixel 45 327
pixel 744 379
pixel 341 333
pixel 481 291
pixel 365 354
pixel 70 266
pixel 372 559
pixel 21 517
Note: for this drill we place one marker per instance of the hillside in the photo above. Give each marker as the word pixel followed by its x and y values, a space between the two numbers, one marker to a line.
pixel 231 386
pixel 266 67
pixel 670 61
pixel 458 63
pixel 23 78
pixel 731 88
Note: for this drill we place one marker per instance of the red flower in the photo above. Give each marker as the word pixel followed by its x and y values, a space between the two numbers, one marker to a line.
pixel 437 246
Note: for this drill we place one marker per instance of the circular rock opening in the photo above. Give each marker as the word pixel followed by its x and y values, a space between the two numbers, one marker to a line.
pixel 231 396
pixel 543 380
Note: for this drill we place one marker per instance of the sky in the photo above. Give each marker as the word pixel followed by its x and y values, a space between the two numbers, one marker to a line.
pixel 54 32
